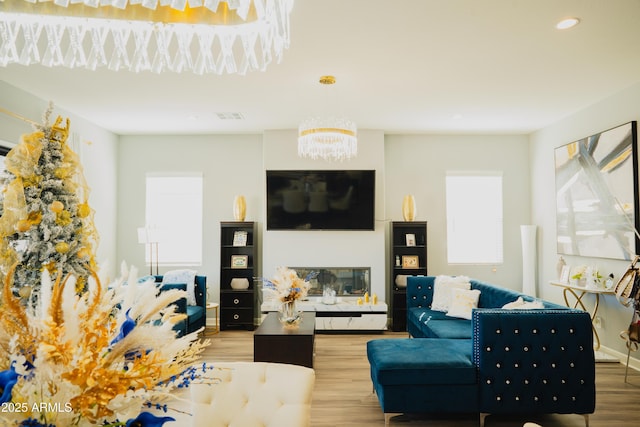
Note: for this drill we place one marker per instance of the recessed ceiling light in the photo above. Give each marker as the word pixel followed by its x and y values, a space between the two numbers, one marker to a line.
pixel 567 23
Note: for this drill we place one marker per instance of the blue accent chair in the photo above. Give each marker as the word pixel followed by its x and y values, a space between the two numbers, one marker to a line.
pixel 196 314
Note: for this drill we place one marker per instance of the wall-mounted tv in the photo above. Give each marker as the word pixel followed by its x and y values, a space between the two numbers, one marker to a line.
pixel 320 199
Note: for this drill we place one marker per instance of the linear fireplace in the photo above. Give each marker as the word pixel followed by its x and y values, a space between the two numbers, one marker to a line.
pixel 346 281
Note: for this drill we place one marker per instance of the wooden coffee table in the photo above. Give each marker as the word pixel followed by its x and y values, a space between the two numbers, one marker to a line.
pixel 272 342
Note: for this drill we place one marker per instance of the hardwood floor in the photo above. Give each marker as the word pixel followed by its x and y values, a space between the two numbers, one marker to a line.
pixel 343 393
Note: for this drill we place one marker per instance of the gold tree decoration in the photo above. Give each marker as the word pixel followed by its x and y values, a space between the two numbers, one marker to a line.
pixel 75 352
pixel 46 219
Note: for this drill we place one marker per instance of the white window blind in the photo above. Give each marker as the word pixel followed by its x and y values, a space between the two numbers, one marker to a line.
pixel 474 218
pixel 174 213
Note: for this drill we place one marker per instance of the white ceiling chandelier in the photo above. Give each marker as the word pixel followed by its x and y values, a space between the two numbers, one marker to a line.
pixel 328 138
pixel 202 36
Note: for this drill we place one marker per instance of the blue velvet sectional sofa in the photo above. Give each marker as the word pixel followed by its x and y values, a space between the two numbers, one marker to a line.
pixel 501 361
pixel 196 314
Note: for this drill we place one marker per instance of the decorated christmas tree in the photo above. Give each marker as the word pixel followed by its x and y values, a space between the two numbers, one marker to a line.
pixel 75 352
pixel 46 220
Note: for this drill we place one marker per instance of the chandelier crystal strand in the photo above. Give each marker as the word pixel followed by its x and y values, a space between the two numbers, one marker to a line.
pixel 75 56
pixel 246 36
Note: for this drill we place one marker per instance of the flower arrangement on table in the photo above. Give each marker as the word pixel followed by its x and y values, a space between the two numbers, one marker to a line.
pixel 289 288
pixel 287 285
pixel 74 352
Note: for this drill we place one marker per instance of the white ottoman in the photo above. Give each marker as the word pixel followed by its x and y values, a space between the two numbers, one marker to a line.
pixel 254 394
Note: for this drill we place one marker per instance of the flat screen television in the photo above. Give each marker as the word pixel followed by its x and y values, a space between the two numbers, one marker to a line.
pixel 320 199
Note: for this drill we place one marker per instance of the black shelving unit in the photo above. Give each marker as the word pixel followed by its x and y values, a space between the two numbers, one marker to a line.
pixel 238 259
pixel 408 257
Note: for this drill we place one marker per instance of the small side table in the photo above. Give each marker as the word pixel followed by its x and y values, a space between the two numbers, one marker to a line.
pixel 216 327
pixel 578 292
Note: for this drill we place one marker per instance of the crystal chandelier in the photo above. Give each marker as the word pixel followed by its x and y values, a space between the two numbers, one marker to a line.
pixel 328 138
pixel 205 36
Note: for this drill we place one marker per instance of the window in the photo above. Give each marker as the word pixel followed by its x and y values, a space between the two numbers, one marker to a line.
pixel 474 218
pixel 174 214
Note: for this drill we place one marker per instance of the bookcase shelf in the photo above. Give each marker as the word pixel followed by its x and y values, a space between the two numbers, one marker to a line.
pixel 408 257
pixel 238 259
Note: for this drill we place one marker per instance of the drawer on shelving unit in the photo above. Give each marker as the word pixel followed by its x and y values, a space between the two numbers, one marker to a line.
pixel 237 299
pixel 236 315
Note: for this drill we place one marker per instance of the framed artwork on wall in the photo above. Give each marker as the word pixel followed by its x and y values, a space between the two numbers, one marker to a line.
pixel 597 195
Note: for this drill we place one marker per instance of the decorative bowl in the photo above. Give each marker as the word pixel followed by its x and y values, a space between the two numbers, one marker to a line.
pixel 239 283
pixel 401 280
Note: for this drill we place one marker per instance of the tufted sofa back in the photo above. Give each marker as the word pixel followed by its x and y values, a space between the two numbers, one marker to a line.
pixel 538 361
pixel 254 394
pixel 420 293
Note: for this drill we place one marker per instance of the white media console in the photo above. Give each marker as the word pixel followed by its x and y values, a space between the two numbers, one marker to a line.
pixel 344 315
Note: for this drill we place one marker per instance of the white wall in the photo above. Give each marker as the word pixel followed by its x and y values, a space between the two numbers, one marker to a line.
pixel 230 164
pixel 236 164
pixel 616 110
pixel 96 148
pixel 329 248
pixel 417 164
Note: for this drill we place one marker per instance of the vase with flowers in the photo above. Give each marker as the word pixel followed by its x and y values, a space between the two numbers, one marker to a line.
pixel 289 288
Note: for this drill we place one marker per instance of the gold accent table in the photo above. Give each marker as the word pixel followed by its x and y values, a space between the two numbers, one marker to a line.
pixel 578 292
pixel 211 330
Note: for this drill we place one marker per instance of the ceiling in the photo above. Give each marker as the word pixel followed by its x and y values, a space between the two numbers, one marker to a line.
pixel 405 66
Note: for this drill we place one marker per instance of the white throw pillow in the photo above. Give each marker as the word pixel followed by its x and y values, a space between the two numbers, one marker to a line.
pixel 532 305
pixel 183 276
pixel 514 304
pixel 463 301
pixel 521 304
pixel 442 290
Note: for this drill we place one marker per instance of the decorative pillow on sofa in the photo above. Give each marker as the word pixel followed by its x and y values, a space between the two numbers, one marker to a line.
pixel 147 278
pixel 532 305
pixel 521 304
pixel 513 304
pixel 183 276
pixel 463 301
pixel 442 288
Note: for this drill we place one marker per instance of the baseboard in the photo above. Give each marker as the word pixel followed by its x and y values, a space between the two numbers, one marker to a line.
pixel 613 355
pixel 603 357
